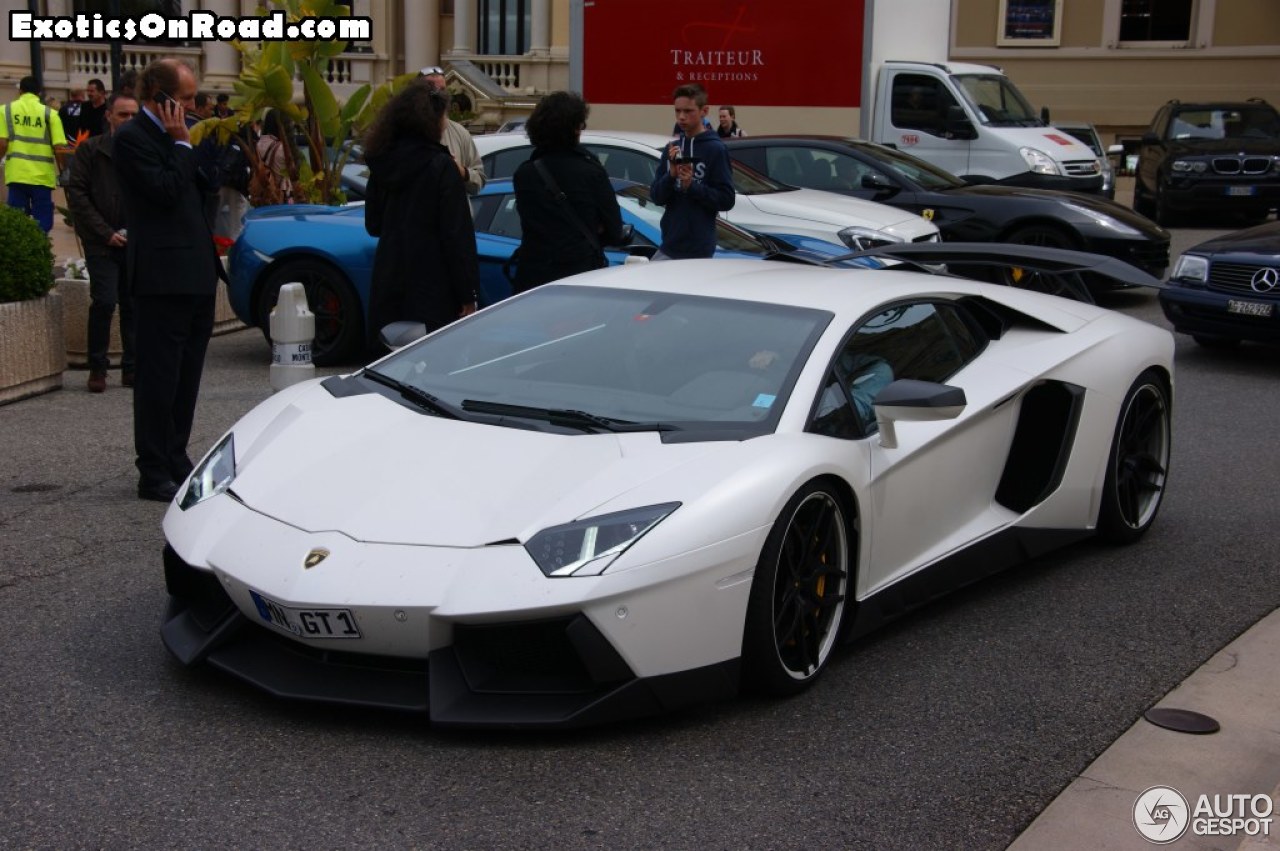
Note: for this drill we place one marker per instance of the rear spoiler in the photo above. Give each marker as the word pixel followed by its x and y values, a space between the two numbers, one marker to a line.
pixel 1054 270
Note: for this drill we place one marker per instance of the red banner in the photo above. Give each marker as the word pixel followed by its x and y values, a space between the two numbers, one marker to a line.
pixel 749 52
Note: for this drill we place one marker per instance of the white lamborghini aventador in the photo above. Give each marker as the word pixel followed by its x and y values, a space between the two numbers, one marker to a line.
pixel 648 485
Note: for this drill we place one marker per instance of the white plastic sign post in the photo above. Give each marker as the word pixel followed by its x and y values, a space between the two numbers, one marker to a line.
pixel 293 328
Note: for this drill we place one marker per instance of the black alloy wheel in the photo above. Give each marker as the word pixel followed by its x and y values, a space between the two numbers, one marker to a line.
pixel 1138 466
pixel 339 320
pixel 1043 236
pixel 799 593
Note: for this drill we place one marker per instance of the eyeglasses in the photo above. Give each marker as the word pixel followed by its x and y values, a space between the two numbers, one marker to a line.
pixel 431 71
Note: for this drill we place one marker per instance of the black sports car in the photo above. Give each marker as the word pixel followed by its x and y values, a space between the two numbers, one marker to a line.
pixel 963 212
pixel 1210 157
pixel 1228 289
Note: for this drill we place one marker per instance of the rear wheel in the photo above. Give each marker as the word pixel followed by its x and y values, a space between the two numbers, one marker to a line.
pixel 339 319
pixel 798 597
pixel 1139 462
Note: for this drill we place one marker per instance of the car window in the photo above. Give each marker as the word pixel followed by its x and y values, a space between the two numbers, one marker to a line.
pixel 626 164
pixel 1225 123
pixel 504 163
pixel 923 341
pixel 919 102
pixel 506 220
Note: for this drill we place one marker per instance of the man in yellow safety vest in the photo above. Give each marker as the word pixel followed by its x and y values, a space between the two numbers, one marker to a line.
pixel 32 144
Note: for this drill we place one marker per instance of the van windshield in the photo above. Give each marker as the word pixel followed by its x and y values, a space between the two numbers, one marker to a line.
pixel 996 100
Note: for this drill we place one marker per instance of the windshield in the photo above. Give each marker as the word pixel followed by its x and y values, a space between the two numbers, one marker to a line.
pixel 749 182
pixel 696 363
pixel 1226 123
pixel 927 175
pixel 996 100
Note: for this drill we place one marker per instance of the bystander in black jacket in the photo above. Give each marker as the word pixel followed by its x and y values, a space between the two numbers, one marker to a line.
pixel 425 268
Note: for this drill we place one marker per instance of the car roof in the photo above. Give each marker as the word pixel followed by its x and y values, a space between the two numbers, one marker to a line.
pixel 491 142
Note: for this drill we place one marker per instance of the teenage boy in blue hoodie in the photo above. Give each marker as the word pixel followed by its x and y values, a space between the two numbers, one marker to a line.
pixel 694 181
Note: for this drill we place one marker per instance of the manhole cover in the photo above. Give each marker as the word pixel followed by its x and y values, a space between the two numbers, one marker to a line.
pixel 1182 720
pixel 36 487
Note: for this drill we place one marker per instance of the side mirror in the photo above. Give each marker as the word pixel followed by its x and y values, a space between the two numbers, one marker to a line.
pixel 1150 138
pixel 914 401
pixel 628 233
pixel 878 183
pixel 1115 149
pixel 400 334
pixel 958 125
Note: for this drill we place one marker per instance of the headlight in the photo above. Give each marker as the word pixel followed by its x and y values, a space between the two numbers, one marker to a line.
pixel 213 475
pixel 860 238
pixel 1039 162
pixel 1191 268
pixel 587 547
pixel 1103 220
pixel 1189 166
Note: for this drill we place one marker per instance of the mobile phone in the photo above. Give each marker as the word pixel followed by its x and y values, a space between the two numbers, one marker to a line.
pixel 687 160
pixel 162 97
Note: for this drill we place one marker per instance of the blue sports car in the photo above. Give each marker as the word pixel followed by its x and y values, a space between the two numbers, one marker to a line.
pixel 327 250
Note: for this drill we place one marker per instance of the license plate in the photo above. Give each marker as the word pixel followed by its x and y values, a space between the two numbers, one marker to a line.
pixel 1242 190
pixel 1249 308
pixel 307 623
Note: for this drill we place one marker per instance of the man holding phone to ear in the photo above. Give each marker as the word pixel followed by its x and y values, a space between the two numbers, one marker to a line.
pixel 694 181
pixel 173 269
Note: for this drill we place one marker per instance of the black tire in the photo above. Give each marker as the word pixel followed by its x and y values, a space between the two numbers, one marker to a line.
pixel 1138 465
pixel 799 593
pixel 1044 236
pixel 1164 213
pixel 340 328
pixel 1212 342
pixel 1142 201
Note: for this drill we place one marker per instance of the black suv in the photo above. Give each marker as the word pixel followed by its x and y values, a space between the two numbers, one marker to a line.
pixel 1213 157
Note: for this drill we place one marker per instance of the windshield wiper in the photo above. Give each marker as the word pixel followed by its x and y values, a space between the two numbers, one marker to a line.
pixel 562 417
pixel 418 396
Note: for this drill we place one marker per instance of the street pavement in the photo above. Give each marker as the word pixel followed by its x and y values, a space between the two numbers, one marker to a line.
pixel 78 444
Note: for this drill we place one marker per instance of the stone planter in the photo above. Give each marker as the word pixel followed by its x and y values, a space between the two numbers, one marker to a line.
pixel 33 353
pixel 75 312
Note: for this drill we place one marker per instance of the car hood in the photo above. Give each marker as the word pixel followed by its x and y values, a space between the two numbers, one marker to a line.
pixel 1193 147
pixel 1052 198
pixel 1059 144
pixel 378 471
pixel 1262 240
pixel 828 208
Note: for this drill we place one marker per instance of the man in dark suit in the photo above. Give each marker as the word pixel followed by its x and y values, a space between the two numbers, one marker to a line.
pixel 173 269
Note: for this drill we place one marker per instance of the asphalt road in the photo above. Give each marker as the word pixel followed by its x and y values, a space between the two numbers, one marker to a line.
pixel 952 728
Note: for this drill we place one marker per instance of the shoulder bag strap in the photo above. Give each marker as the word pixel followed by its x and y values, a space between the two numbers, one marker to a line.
pixel 592 239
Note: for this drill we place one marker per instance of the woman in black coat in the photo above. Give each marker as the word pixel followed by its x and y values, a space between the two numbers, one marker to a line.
pixel 553 245
pixel 425 268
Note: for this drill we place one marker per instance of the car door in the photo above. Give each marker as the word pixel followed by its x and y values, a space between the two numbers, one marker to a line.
pixel 1151 151
pixel 918 122
pixel 935 491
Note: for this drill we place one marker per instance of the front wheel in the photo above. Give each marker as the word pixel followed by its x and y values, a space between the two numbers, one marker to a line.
pixel 1138 465
pixel 1043 236
pixel 798 597
pixel 339 319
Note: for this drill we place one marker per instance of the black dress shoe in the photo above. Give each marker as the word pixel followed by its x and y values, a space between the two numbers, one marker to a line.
pixel 159 492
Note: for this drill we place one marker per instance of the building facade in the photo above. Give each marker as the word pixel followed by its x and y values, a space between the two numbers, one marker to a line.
pixel 1112 62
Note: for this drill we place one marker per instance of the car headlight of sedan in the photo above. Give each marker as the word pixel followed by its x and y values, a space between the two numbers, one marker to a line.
pixel 213 475
pixel 861 239
pixel 1103 220
pixel 1039 162
pixel 1191 269
pixel 1189 166
pixel 587 547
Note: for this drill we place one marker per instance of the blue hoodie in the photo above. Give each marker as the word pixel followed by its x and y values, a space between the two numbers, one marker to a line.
pixel 689 220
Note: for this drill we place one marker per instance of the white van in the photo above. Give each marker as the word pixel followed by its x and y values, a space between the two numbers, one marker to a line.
pixel 972 121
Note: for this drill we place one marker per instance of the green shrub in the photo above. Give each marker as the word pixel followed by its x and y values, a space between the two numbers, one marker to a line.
pixel 26 259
